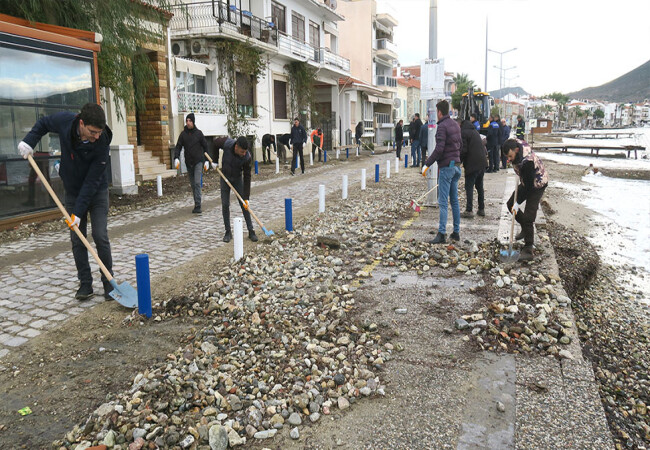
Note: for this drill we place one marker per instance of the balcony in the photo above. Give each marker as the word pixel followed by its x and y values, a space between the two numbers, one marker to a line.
pixel 201 103
pixel 218 18
pixel 382 119
pixel 383 80
pixel 386 49
pixel 295 48
pixel 332 60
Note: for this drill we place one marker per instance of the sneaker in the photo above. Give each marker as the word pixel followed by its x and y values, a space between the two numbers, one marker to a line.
pixel 467 214
pixel 252 236
pixel 527 253
pixel 481 212
pixel 454 236
pixel 292 173
pixel 439 239
pixel 197 210
pixel 108 288
pixel 519 236
pixel 85 292
pixel 227 237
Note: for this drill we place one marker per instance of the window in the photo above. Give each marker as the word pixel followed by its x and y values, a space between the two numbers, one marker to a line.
pixel 280 99
pixel 278 16
pixel 298 26
pixel 188 82
pixel 314 34
pixel 245 95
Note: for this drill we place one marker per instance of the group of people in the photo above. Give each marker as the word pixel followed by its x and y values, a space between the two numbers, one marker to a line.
pixel 85 139
pixel 295 140
pixel 460 143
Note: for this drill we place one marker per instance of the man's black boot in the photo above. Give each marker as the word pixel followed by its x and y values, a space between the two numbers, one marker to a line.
pixel 197 210
pixel 227 237
pixel 108 288
pixel 454 236
pixel 439 239
pixel 526 253
pixel 85 292
pixel 252 236
pixel 481 212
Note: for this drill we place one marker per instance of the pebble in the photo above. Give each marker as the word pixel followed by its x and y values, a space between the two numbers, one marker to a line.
pixel 218 438
pixel 265 434
pixel 294 433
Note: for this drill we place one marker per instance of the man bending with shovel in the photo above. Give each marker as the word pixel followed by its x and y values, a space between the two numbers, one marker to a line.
pixel 236 167
pixel 533 180
pixel 85 141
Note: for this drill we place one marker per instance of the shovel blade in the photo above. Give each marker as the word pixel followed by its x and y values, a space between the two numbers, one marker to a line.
pixel 509 256
pixel 268 232
pixel 417 208
pixel 124 294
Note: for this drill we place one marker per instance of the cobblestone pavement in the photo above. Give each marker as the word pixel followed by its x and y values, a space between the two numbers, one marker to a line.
pixel 38 294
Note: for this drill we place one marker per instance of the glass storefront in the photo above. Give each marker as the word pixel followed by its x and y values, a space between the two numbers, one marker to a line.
pixel 37 79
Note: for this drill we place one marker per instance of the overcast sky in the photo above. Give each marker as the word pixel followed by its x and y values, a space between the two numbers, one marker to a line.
pixel 562 45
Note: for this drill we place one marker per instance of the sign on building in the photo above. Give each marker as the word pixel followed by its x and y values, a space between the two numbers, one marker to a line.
pixel 432 79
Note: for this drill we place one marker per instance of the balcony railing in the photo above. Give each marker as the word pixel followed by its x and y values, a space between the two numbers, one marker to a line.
pixel 383 80
pixel 298 48
pixel 332 59
pixel 385 44
pixel 201 103
pixel 382 118
pixel 204 17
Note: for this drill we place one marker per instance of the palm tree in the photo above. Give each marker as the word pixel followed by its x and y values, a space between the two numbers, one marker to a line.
pixel 463 83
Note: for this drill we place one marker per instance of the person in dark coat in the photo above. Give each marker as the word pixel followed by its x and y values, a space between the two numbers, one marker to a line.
pixel 447 155
pixel 358 132
pixel 493 145
pixel 85 140
pixel 533 180
pixel 475 122
pixel 473 155
pixel 298 139
pixel 521 128
pixel 285 143
pixel 505 135
pixel 195 145
pixel 268 143
pixel 424 139
pixel 399 138
pixel 316 144
pixel 236 165
pixel 415 144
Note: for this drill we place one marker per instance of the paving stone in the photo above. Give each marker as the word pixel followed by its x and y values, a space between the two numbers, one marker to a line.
pixel 3 352
pixel 29 333
pixel 59 317
pixel 15 341
pixel 39 324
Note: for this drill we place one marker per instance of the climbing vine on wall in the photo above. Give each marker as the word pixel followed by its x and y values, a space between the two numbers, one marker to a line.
pixel 233 57
pixel 301 89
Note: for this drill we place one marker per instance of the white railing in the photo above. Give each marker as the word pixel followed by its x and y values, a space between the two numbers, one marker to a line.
pixel 201 103
pixel 383 80
pixel 295 47
pixel 332 59
pixel 385 44
pixel 382 118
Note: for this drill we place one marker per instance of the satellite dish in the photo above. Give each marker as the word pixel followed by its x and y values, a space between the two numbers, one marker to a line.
pixel 397 102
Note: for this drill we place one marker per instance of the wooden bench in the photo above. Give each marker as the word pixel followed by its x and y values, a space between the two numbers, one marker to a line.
pixel 592 148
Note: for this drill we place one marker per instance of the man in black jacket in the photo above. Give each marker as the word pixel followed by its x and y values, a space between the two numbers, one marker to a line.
pixel 399 138
pixel 268 142
pixel 521 128
pixel 192 139
pixel 493 145
pixel 285 142
pixel 473 155
pixel 236 166
pixel 298 139
pixel 415 144
pixel 85 141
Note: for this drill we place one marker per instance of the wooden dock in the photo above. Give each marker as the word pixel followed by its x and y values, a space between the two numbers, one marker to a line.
pixel 564 147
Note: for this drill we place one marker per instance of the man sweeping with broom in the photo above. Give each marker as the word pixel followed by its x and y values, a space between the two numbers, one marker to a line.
pixel 236 167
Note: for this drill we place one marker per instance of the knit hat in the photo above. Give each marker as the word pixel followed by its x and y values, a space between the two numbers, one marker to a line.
pixel 191 117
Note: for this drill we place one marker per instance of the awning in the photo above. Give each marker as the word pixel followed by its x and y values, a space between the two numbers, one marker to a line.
pixel 372 99
pixel 327 28
pixel 385 101
pixel 193 67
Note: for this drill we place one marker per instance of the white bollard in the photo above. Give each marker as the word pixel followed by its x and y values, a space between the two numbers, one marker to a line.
pixel 396 164
pixel 159 185
pixel 387 168
pixel 357 150
pixel 338 153
pixel 238 238
pixel 321 198
pixel 344 192
pixel 363 179
pixel 311 158
pixel 277 164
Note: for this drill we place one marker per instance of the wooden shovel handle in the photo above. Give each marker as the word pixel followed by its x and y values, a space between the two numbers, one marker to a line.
pixel 235 191
pixel 66 216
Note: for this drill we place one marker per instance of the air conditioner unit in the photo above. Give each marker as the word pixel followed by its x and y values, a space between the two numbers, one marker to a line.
pixel 179 48
pixel 199 47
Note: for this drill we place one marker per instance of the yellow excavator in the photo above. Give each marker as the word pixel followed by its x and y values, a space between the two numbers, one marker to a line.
pixel 478 103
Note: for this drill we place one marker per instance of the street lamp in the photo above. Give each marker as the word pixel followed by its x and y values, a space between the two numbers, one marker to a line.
pixel 501 64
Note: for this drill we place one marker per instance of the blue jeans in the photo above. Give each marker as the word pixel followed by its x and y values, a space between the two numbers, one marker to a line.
pixel 415 152
pixel 98 210
pixel 448 189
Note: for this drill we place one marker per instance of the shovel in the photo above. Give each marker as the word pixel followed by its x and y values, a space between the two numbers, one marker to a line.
pixel 267 232
pixel 510 255
pixel 124 293
pixel 415 204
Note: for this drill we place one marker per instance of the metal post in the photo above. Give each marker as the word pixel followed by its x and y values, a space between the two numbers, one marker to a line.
pixel 144 284
pixel 288 215
pixel 376 173
pixel 257 170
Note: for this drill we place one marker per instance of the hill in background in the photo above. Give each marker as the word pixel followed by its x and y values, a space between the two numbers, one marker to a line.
pixel 500 93
pixel 634 86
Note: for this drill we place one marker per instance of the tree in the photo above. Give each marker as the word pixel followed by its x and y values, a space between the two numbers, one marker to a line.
pixel 125 26
pixel 599 114
pixel 463 83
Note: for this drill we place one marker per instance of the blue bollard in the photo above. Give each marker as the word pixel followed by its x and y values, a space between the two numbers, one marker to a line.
pixel 406 161
pixel 347 153
pixel 201 179
pixel 376 173
pixel 144 284
pixel 288 215
pixel 324 155
pixel 257 170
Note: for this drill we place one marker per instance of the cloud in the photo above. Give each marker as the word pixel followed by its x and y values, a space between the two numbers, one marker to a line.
pixel 38 85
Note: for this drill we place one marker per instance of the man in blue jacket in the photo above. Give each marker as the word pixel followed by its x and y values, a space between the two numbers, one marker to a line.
pixel 493 134
pixel 447 155
pixel 505 135
pixel 85 141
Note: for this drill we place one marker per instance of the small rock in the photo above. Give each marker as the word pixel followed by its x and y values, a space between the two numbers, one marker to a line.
pixel 501 407
pixel 294 433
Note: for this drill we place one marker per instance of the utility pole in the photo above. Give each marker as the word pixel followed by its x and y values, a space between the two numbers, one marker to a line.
pixel 485 88
pixel 500 64
pixel 432 173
